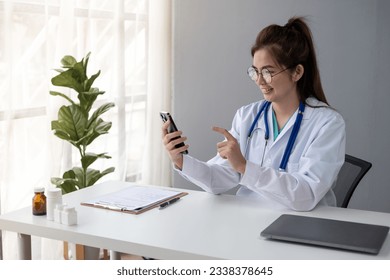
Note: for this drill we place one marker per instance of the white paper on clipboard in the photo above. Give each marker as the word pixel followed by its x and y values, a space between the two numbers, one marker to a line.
pixel 135 198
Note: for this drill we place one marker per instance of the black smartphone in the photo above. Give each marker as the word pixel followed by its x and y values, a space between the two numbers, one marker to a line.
pixel 165 116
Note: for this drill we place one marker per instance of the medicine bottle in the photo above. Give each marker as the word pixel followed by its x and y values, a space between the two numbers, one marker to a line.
pixel 39 202
pixel 69 216
pixel 54 196
pixel 57 212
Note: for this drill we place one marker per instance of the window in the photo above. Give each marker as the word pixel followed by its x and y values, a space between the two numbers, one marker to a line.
pixel 124 37
pixel 37 35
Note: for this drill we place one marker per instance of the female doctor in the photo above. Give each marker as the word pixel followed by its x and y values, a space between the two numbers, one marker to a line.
pixel 285 150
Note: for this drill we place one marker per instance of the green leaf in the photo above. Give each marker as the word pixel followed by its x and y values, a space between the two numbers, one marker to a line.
pixel 59 132
pixel 62 135
pixel 85 61
pixel 87 98
pixel 56 181
pixel 94 175
pixel 69 174
pixel 55 93
pixel 68 61
pixel 99 111
pixel 107 171
pixel 72 120
pixel 95 130
pixel 69 78
pixel 90 81
pixel 67 185
pixel 103 127
pixel 81 72
pixel 90 158
pixel 80 177
pixel 74 77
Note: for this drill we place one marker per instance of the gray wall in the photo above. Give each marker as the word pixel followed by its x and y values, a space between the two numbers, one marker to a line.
pixel 212 39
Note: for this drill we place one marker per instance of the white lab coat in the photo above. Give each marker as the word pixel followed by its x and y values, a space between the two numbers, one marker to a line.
pixel 312 169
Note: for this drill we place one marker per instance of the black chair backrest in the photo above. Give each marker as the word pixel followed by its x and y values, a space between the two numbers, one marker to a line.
pixel 352 171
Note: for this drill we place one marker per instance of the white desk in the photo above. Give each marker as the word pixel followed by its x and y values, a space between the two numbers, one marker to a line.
pixel 199 226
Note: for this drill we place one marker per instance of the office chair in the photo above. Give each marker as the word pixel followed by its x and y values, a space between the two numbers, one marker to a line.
pixel 352 171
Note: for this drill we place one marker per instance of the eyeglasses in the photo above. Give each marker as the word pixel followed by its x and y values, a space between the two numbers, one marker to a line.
pixel 254 74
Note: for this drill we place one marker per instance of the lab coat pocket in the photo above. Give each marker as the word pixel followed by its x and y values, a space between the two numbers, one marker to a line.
pixel 292 167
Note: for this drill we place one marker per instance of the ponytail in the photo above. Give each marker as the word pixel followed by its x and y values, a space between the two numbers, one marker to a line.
pixel 290 45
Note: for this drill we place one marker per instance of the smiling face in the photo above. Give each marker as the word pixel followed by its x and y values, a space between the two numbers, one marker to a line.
pixel 282 88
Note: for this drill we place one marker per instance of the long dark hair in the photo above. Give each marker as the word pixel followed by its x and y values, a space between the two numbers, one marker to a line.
pixel 290 45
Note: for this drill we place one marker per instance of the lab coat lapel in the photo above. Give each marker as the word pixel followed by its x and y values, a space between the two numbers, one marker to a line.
pixel 260 122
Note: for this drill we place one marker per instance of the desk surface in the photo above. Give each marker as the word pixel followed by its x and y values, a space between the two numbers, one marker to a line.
pixel 199 226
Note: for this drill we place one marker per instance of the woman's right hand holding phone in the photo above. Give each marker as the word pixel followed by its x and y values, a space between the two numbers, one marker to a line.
pixel 170 140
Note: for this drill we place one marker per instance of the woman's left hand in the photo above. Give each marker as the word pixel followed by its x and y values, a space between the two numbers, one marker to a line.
pixel 230 150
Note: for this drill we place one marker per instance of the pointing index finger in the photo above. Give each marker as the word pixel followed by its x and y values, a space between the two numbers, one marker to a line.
pixel 224 132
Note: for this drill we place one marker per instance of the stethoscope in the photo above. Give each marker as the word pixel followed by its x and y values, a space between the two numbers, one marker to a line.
pixel 290 144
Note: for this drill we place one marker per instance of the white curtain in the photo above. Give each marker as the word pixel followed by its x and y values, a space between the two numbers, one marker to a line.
pixel 35 35
pixel 156 167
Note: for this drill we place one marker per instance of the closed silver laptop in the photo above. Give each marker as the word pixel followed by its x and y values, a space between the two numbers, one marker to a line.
pixel 366 238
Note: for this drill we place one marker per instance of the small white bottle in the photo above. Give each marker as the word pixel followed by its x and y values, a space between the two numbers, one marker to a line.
pixel 58 212
pixel 53 197
pixel 69 216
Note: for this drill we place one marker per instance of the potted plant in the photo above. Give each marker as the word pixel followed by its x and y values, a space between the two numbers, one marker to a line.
pixel 80 125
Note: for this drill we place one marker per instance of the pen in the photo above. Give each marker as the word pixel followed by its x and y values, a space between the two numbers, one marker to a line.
pixel 111 207
pixel 115 208
pixel 165 204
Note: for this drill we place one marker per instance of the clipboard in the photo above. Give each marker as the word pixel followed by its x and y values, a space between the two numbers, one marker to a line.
pixel 135 199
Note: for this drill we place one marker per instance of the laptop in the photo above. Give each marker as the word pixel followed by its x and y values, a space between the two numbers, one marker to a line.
pixel 344 235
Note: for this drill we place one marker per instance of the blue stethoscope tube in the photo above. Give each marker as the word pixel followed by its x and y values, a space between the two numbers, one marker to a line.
pixel 290 144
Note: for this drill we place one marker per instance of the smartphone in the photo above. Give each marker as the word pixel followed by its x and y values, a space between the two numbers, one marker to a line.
pixel 165 116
